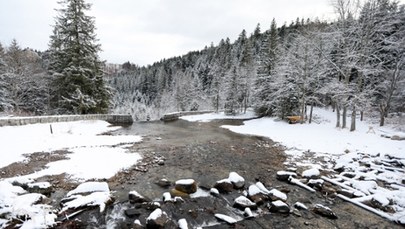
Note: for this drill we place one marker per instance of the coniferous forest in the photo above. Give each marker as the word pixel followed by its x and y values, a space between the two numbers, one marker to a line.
pixel 356 64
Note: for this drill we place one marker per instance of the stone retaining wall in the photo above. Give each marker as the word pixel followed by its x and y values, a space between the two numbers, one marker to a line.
pixel 176 115
pixel 111 118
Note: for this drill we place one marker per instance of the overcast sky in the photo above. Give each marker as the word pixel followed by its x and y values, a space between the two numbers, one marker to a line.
pixel 145 31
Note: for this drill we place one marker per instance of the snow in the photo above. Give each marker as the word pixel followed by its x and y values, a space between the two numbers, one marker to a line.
pixel 280 195
pixel 214 116
pixel 254 190
pixel 90 187
pixel 66 135
pixel 279 203
pixel 155 214
pixel 236 179
pixel 92 155
pixel 185 182
pixel 183 224
pixel 226 218
pixel 314 172
pixel 93 199
pixel 323 137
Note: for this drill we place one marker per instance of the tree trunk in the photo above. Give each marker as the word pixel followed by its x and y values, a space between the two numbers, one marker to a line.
pixel 382 114
pixel 353 120
pixel 310 113
pixel 337 116
pixel 361 115
pixel 344 113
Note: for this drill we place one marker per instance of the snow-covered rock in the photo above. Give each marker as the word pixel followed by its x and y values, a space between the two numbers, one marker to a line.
pixel 135 197
pixel 157 219
pixel 237 180
pixel 324 211
pixel 299 205
pixel 311 173
pixel 262 188
pixel 277 195
pixel 248 213
pixel 242 202
pixel 186 185
pixel 279 206
pixel 167 197
pixel 93 199
pixel 214 192
pixel 183 224
pixel 226 218
pixel 284 175
pixel 224 186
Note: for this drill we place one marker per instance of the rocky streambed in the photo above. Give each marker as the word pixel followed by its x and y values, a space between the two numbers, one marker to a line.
pixel 198 175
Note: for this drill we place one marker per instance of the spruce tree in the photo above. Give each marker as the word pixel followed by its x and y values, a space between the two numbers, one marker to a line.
pixel 77 77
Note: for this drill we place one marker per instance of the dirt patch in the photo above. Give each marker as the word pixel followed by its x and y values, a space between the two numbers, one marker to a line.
pixel 33 162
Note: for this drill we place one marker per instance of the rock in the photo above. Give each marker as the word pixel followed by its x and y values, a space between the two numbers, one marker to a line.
pixel 259 199
pixel 167 197
pixel 175 192
pixel 311 173
pixel 186 185
pixel 44 188
pixel 161 162
pixel 164 183
pixel 324 211
pixel 226 218
pixel 157 219
pixel 346 193
pixel 262 188
pixel 248 213
pixel 284 175
pixel 224 186
pixel 237 180
pixel 397 138
pixel 214 192
pixel 137 225
pixel 296 212
pixel 301 206
pixel 275 194
pixel 315 183
pixel 149 206
pixel 279 206
pixel 135 197
pixel 242 202
pixel 132 212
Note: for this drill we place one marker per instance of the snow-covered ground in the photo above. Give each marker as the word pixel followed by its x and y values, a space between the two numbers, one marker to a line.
pixel 376 164
pixel 221 115
pixel 94 155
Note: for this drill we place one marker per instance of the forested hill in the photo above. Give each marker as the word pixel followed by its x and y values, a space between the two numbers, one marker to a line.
pixel 355 64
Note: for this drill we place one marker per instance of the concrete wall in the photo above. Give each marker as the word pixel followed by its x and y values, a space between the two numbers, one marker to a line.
pixel 111 118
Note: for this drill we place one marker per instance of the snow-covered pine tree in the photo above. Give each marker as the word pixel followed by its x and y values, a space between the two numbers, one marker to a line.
pixel 75 66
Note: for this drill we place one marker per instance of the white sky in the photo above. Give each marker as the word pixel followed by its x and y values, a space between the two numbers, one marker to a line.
pixel 145 31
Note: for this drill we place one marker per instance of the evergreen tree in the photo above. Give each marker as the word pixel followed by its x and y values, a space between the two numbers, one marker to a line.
pixel 78 84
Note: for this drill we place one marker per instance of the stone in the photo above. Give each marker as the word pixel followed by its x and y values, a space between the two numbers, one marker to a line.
pixel 148 205
pixel 157 219
pixel 284 175
pixel 214 192
pixel 237 180
pixel 324 211
pixel 279 206
pixel 182 224
pixel 242 202
pixel 135 197
pixel 248 213
pixel 224 186
pixel 132 212
pixel 315 183
pixel 164 183
pixel 300 206
pixel 311 173
pixel 275 194
pixel 175 192
pixel 259 198
pixel 186 185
